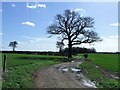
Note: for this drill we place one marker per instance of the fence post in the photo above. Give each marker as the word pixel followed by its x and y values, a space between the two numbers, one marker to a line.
pixel 4 63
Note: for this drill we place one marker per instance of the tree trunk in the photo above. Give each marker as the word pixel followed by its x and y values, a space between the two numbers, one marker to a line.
pixel 70 50
pixel 13 48
pixel 60 51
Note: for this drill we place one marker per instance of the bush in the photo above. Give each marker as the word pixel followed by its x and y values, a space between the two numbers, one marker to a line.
pixel 85 55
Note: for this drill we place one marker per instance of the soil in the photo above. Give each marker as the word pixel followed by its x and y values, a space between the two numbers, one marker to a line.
pixel 55 77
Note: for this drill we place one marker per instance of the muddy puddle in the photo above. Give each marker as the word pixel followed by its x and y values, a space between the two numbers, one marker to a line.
pixel 77 73
pixel 75 69
pixel 115 77
pixel 65 69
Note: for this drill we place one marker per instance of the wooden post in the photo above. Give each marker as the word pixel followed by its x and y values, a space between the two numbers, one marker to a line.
pixel 4 63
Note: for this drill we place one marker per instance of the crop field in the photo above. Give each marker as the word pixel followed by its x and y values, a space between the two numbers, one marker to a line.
pixel 20 68
pixel 23 59
pixel 107 61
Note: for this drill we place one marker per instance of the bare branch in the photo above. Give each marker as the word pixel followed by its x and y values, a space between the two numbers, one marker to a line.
pixel 71 26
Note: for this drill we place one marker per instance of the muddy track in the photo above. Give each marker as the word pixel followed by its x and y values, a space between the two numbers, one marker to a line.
pixel 55 77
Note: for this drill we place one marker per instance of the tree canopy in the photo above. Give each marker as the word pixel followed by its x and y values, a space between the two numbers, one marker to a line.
pixel 74 28
pixel 60 45
pixel 13 45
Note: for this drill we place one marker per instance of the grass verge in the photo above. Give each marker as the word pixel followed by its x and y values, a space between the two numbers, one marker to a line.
pixel 94 74
pixel 20 76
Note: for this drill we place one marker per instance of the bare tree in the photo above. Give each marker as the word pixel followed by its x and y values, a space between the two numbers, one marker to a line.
pixel 74 28
pixel 13 45
pixel 60 45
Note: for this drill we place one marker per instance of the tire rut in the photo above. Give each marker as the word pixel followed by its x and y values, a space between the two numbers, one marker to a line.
pixel 52 77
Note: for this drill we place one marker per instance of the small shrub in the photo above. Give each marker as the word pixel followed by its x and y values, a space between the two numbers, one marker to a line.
pixel 85 55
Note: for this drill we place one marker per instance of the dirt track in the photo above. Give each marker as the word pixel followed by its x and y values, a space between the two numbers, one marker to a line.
pixel 53 77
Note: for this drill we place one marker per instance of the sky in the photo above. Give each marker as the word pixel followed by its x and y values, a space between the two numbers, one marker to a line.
pixel 27 23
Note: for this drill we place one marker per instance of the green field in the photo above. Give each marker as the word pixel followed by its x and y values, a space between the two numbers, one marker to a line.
pixel 23 59
pixel 20 68
pixel 107 61
pixel 96 75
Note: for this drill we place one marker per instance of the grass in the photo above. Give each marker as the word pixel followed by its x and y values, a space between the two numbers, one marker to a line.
pixel 20 68
pixel 107 61
pixel 0 72
pixel 90 69
pixel 21 76
pixel 94 74
pixel 23 59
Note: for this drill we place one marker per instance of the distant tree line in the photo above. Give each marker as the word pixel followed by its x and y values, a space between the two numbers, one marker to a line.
pixel 64 52
pixel 77 50
pixel 33 52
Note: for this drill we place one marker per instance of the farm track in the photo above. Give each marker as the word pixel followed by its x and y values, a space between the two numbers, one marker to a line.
pixel 52 77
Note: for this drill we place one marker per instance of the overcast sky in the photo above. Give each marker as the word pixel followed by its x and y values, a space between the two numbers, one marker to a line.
pixel 27 22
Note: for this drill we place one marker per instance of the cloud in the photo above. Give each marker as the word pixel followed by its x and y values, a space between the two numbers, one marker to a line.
pixel 28 23
pixel 31 6
pixel 37 5
pixel 13 5
pixel 82 11
pixel 32 39
pixel 115 24
pixel 78 9
pixel 1 10
pixel 37 44
pixel 114 36
pixel 41 5
pixel 1 34
pixel 109 44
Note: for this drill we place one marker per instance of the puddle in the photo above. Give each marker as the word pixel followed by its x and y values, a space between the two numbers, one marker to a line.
pixel 115 77
pixel 88 83
pixel 74 69
pixel 65 69
pixel 77 70
pixel 97 66
pixel 78 74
